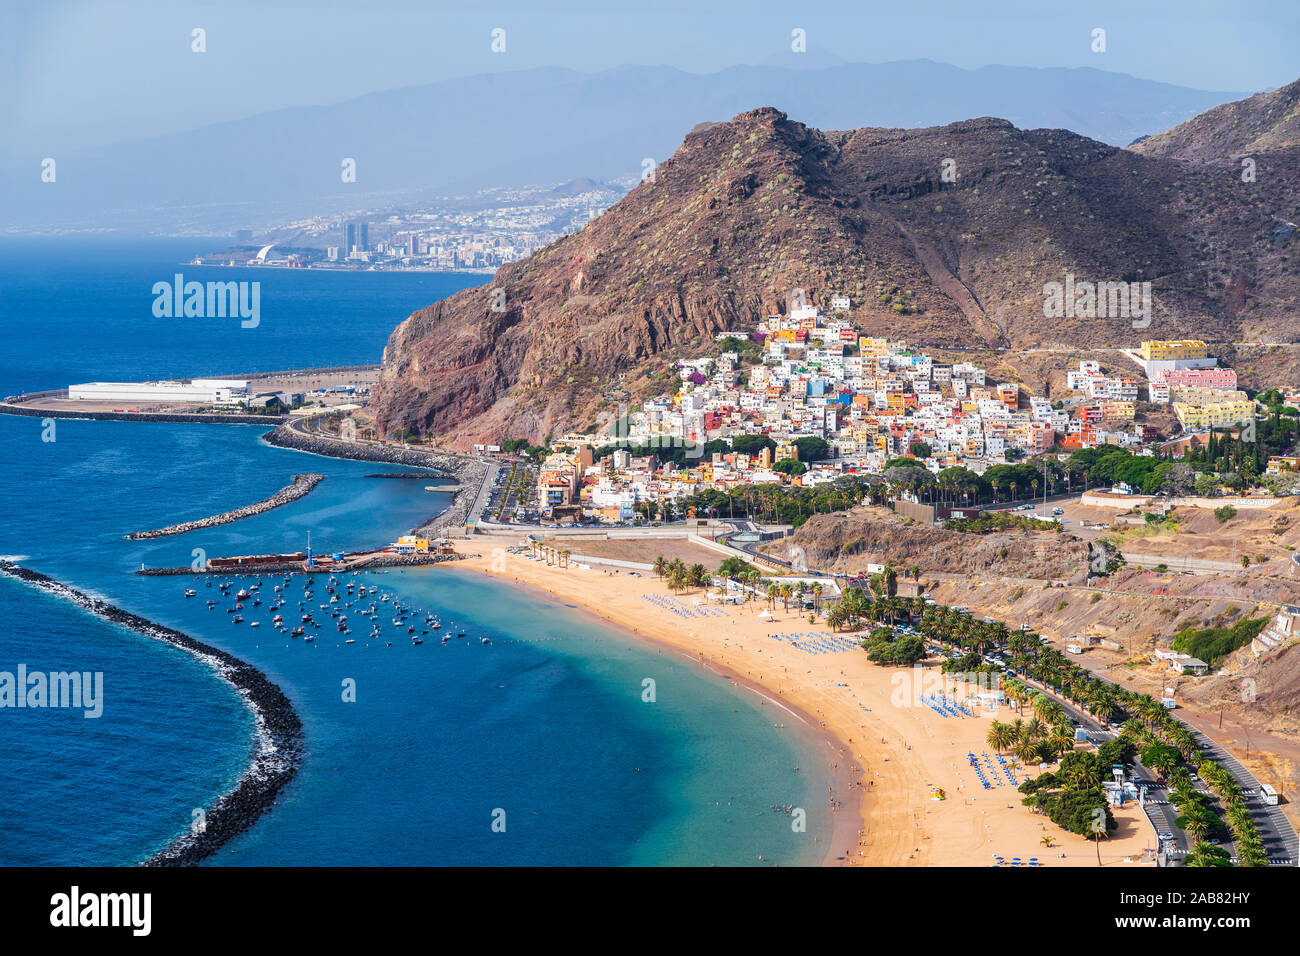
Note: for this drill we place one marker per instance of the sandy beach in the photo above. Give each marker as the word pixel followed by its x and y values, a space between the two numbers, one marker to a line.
pixel 887 749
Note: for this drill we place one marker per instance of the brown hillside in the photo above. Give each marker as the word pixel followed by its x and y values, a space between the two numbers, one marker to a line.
pixel 1265 121
pixel 750 209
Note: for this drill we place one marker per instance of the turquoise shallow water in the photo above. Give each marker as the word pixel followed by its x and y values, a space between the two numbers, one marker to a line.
pixel 546 724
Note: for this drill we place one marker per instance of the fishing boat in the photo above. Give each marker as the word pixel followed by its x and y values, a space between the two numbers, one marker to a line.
pixel 297 632
pixel 242 595
pixel 237 619
pixel 416 640
pixel 190 592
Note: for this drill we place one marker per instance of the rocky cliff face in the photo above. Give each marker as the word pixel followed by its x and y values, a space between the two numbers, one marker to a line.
pixel 941 236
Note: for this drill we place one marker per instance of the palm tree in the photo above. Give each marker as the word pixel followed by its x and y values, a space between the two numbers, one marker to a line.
pixel 1203 854
pixel 1062 738
pixel 660 565
pixel 565 556
pixel 1000 735
pixel 1034 730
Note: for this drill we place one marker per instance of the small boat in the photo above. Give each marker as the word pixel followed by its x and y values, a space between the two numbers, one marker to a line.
pixel 484 640
pixel 242 595
pixel 190 592
pixel 255 624
pixel 308 639
pixel 349 641
pixel 297 632
pixel 237 619
pixel 416 640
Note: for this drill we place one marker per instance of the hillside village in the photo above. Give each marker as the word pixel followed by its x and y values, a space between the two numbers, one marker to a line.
pixel 806 399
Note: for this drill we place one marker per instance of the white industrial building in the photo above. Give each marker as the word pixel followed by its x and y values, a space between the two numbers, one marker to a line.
pixel 185 390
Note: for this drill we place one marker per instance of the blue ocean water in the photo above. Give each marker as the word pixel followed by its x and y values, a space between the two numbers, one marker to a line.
pixel 544 727
pixel 76 310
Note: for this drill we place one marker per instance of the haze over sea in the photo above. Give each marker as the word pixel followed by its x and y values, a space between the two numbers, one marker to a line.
pixel 546 723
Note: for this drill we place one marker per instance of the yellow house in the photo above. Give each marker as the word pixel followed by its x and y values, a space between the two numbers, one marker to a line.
pixel 1173 349
pixel 409 543
pixel 1214 414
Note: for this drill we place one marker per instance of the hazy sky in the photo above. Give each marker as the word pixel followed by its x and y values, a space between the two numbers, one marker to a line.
pixel 82 72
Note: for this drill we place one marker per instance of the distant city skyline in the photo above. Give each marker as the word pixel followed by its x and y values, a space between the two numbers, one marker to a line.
pixel 81 74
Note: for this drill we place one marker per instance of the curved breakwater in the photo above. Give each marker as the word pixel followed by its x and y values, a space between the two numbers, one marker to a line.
pixel 302 485
pixel 278 734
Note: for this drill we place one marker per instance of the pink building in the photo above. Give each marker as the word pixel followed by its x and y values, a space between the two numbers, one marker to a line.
pixel 1202 377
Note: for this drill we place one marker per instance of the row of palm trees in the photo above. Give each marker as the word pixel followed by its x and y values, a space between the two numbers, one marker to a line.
pixel 678 576
pixel 1148 720
pixel 557 556
pixel 1154 724
pixel 1045 736
pixel 755 584
pixel 1025 654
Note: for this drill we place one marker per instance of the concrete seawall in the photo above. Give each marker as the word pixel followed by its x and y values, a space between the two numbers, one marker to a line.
pixel 302 485
pixel 173 417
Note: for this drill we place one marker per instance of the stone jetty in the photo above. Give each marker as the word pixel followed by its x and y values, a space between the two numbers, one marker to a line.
pixel 302 484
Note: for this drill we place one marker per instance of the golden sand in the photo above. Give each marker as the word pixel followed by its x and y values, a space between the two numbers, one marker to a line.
pixel 894 750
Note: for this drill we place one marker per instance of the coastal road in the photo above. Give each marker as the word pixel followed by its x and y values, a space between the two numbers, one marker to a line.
pixel 1275 830
pixel 490 470
pixel 1159 811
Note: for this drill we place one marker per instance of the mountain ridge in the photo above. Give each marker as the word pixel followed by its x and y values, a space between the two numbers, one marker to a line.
pixel 748 210
pixel 533 126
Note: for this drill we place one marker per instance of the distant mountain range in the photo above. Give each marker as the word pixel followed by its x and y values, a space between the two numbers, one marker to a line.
pixel 537 126
pixel 1265 122
pixel 942 236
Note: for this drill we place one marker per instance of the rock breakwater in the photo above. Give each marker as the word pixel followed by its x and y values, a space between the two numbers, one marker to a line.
pixel 302 485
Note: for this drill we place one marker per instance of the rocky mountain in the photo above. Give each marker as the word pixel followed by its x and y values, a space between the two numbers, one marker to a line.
pixel 947 235
pixel 1260 123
